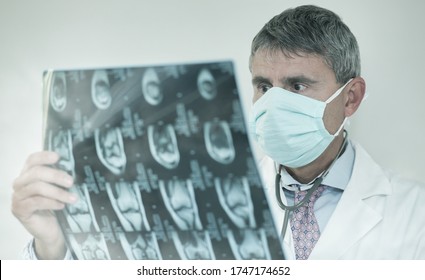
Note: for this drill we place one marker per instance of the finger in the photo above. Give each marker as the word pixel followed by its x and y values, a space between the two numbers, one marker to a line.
pixel 44 174
pixel 25 209
pixel 40 158
pixel 46 190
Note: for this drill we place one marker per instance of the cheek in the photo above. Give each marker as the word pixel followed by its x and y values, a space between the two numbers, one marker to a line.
pixel 255 97
pixel 334 116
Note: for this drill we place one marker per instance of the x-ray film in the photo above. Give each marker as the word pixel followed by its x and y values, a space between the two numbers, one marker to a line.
pixel 161 162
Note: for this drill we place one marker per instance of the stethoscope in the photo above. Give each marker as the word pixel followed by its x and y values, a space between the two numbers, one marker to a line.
pixel 316 183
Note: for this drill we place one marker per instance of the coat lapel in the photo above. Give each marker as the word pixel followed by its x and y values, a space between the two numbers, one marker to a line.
pixel 354 217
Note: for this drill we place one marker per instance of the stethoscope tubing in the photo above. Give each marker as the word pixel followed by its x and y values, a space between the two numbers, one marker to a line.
pixel 317 182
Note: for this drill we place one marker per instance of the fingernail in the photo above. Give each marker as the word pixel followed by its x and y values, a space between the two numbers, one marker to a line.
pixel 73 198
pixel 53 157
pixel 69 181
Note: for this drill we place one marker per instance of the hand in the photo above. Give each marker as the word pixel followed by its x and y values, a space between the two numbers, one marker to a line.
pixel 39 190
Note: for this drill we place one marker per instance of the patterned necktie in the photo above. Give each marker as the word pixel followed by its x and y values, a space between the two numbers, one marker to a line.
pixel 305 229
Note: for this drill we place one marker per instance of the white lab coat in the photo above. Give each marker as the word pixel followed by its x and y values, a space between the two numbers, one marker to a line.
pixel 379 216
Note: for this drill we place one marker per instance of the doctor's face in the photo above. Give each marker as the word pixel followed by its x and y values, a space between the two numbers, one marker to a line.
pixel 303 74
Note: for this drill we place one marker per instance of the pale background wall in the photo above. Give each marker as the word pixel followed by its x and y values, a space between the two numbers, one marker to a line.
pixel 37 35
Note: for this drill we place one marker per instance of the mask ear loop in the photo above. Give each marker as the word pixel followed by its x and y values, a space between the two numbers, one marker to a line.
pixel 335 95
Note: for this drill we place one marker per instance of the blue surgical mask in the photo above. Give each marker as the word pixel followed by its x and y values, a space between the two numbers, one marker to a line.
pixel 289 127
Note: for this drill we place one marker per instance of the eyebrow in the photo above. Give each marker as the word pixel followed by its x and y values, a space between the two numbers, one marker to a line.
pixel 298 79
pixel 259 80
pixel 285 81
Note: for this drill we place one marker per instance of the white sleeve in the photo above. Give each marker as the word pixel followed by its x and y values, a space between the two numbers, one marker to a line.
pixel 29 252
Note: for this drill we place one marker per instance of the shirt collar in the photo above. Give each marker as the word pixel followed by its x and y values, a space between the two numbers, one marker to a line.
pixel 338 176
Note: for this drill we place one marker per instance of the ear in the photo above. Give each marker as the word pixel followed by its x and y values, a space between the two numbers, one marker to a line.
pixel 355 94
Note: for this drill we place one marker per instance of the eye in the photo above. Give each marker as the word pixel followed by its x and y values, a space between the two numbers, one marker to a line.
pixel 262 88
pixel 299 87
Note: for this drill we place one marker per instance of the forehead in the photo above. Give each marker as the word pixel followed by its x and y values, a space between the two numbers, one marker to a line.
pixel 276 65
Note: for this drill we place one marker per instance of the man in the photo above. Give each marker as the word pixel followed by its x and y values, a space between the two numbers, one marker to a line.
pixel 306 77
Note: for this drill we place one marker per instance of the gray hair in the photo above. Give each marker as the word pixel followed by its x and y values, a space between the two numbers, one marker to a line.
pixel 312 30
